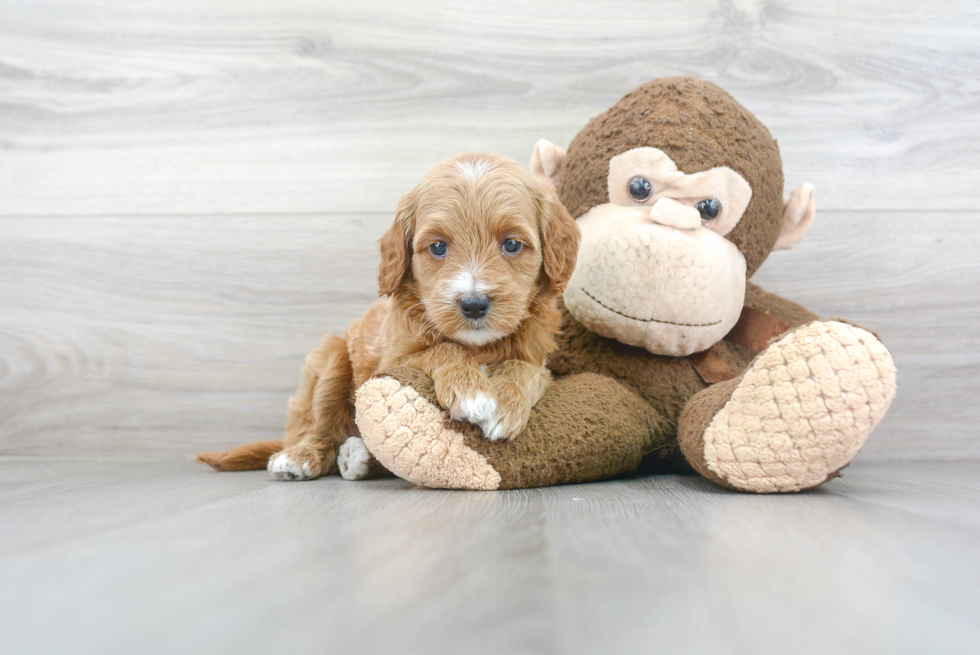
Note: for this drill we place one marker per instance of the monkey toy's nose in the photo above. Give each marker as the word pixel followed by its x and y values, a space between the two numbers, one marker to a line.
pixel 671 213
pixel 474 307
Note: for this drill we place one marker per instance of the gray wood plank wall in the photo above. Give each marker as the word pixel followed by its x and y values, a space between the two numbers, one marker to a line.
pixel 190 191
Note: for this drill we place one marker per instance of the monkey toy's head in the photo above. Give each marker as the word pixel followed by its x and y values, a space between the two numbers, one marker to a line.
pixel 678 191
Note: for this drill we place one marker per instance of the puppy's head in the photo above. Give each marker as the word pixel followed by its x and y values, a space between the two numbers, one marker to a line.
pixel 476 243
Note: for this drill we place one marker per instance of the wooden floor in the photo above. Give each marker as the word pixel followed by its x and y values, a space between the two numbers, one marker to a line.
pixel 157 556
pixel 190 193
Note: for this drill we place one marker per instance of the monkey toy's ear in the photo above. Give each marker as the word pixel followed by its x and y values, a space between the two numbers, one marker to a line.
pixel 799 209
pixel 548 161
pixel 396 246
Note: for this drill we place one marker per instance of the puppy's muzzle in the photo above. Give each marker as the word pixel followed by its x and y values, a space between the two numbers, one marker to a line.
pixel 474 307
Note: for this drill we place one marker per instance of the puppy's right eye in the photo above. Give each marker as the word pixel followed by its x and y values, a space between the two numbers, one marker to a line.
pixel 512 246
pixel 438 249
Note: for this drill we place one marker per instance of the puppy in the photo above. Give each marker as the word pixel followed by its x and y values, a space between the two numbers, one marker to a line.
pixel 472 268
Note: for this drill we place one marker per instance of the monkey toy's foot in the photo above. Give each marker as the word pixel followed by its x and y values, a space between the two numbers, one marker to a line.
pixel 797 416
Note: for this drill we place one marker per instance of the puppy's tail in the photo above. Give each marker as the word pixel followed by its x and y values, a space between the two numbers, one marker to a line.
pixel 251 457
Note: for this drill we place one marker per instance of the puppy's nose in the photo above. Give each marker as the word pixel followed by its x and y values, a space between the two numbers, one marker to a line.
pixel 474 306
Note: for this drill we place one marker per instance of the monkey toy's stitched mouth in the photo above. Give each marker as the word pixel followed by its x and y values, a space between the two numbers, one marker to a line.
pixel 645 320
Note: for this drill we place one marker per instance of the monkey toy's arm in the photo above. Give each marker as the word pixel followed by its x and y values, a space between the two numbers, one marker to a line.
pixel 585 427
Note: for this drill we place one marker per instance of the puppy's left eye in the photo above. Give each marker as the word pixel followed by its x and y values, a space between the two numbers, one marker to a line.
pixel 438 249
pixel 512 246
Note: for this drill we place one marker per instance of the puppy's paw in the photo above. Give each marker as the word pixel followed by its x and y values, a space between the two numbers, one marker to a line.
pixel 477 408
pixel 282 467
pixel 506 423
pixel 354 460
pixel 468 395
pixel 517 386
pixel 296 463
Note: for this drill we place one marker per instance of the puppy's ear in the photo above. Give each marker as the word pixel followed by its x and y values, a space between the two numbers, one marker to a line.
pixel 560 238
pixel 396 246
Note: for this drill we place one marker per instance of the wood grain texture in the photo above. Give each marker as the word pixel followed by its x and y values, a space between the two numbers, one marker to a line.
pixel 190 191
pixel 165 335
pixel 918 288
pixel 142 556
pixel 240 106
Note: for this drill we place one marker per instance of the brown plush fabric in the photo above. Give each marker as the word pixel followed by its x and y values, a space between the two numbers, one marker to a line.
pixel 567 438
pixel 699 126
pixel 795 315
pixel 755 329
pixel 711 365
pixel 665 382
pixel 693 421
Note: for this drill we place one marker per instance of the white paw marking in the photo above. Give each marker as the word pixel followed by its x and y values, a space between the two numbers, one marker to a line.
pixel 493 430
pixel 477 409
pixel 281 467
pixel 352 459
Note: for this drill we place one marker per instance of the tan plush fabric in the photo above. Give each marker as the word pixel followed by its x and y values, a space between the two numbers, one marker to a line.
pixel 802 410
pixel 548 160
pixel 799 210
pixel 407 433
pixel 721 183
pixel 645 284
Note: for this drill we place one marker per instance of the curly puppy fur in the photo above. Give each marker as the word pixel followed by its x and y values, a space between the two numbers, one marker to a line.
pixel 452 243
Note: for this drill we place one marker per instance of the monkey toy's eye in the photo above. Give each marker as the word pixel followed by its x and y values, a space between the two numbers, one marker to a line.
pixel 438 249
pixel 640 189
pixel 709 209
pixel 512 246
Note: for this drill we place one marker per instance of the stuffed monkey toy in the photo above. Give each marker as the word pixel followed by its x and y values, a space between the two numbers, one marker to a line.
pixel 667 354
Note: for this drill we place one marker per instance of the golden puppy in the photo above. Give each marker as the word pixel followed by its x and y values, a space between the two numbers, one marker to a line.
pixel 472 267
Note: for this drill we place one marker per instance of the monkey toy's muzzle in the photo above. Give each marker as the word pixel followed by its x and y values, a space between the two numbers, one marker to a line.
pixel 672 290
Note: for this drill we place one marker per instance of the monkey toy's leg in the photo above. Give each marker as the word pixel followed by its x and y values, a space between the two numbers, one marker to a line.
pixel 320 415
pixel 796 416
pixel 585 427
